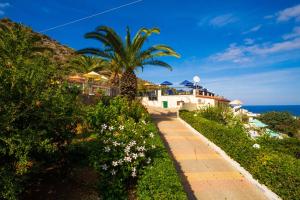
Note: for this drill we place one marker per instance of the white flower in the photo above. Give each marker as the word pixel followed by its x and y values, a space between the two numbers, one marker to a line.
pixel 141 155
pixel 127 159
pixel 113 172
pixel 104 167
pixel 148 161
pixel 151 135
pixel 127 149
pixel 143 121
pixel 142 148
pixel 121 127
pixel 133 174
pixel 111 128
pixel 256 146
pixel 103 126
pixel 116 143
pixel 153 146
pixel 132 143
pixel 134 156
pixel 115 163
pixel 106 149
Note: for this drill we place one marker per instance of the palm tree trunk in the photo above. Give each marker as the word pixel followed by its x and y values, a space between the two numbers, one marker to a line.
pixel 128 84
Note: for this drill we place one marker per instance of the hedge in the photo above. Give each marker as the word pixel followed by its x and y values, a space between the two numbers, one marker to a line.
pixel 278 170
pixel 160 180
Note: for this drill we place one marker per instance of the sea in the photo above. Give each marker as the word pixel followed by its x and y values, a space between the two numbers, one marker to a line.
pixel 293 109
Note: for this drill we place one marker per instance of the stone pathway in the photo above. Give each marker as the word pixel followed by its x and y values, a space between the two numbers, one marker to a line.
pixel 205 174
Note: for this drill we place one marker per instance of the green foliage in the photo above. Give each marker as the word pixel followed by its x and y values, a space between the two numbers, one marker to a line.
pixel 221 115
pixel 38 113
pixel 281 121
pixel 160 180
pixel 127 145
pixel 272 164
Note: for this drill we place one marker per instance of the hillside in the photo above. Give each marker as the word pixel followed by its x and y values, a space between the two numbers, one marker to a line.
pixel 60 53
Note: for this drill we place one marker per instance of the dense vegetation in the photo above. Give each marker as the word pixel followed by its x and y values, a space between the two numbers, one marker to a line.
pixel 276 163
pixel 45 127
pixel 129 147
pixel 283 122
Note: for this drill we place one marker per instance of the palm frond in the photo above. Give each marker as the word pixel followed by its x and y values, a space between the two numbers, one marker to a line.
pixel 114 39
pixel 94 51
pixel 158 63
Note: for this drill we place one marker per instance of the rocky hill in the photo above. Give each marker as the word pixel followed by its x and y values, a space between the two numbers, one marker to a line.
pixel 61 53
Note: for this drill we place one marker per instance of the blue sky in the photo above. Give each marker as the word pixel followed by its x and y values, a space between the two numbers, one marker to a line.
pixel 248 50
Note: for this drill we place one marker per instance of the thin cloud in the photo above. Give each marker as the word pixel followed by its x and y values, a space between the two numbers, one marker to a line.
pixel 253 29
pixel 222 20
pixel 294 34
pixel 289 13
pixel 243 53
pixel 254 87
pixel 218 21
pixel 248 41
pixel 3 6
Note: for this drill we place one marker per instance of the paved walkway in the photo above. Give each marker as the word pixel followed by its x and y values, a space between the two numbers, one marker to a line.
pixel 205 174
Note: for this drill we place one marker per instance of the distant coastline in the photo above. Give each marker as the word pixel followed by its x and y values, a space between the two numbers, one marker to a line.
pixel 293 109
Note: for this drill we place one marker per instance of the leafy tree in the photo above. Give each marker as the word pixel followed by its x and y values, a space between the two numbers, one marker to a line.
pixel 128 55
pixel 281 121
pixel 38 113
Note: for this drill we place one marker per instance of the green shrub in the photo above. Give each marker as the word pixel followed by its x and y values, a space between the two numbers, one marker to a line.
pixel 281 121
pixel 274 164
pixel 221 115
pixel 38 113
pixel 128 143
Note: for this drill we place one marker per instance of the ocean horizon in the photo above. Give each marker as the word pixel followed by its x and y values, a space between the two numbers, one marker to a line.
pixel 293 109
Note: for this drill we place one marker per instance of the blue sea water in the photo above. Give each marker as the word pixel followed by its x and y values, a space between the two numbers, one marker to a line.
pixel 293 109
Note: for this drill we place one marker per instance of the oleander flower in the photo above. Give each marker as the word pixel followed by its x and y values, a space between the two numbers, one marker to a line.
pixel 103 126
pixel 107 149
pixel 148 160
pixel 115 163
pixel 116 143
pixel 113 172
pixel 127 159
pixel 104 167
pixel 134 156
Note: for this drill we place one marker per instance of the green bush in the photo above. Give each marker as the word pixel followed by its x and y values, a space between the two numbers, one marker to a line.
pixel 128 143
pixel 38 113
pixel 221 115
pixel 272 164
pixel 281 121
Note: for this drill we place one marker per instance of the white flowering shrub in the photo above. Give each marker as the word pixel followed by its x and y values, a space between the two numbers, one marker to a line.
pixel 126 145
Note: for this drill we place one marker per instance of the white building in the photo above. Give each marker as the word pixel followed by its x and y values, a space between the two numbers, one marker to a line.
pixel 188 102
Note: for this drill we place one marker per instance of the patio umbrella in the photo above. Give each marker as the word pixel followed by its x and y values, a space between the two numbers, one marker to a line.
pixel 92 75
pixel 76 79
pixel 185 82
pixel 236 102
pixel 101 78
pixel 166 83
pixel 148 84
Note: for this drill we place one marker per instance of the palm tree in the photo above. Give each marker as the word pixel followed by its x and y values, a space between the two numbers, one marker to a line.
pixel 86 64
pixel 128 55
